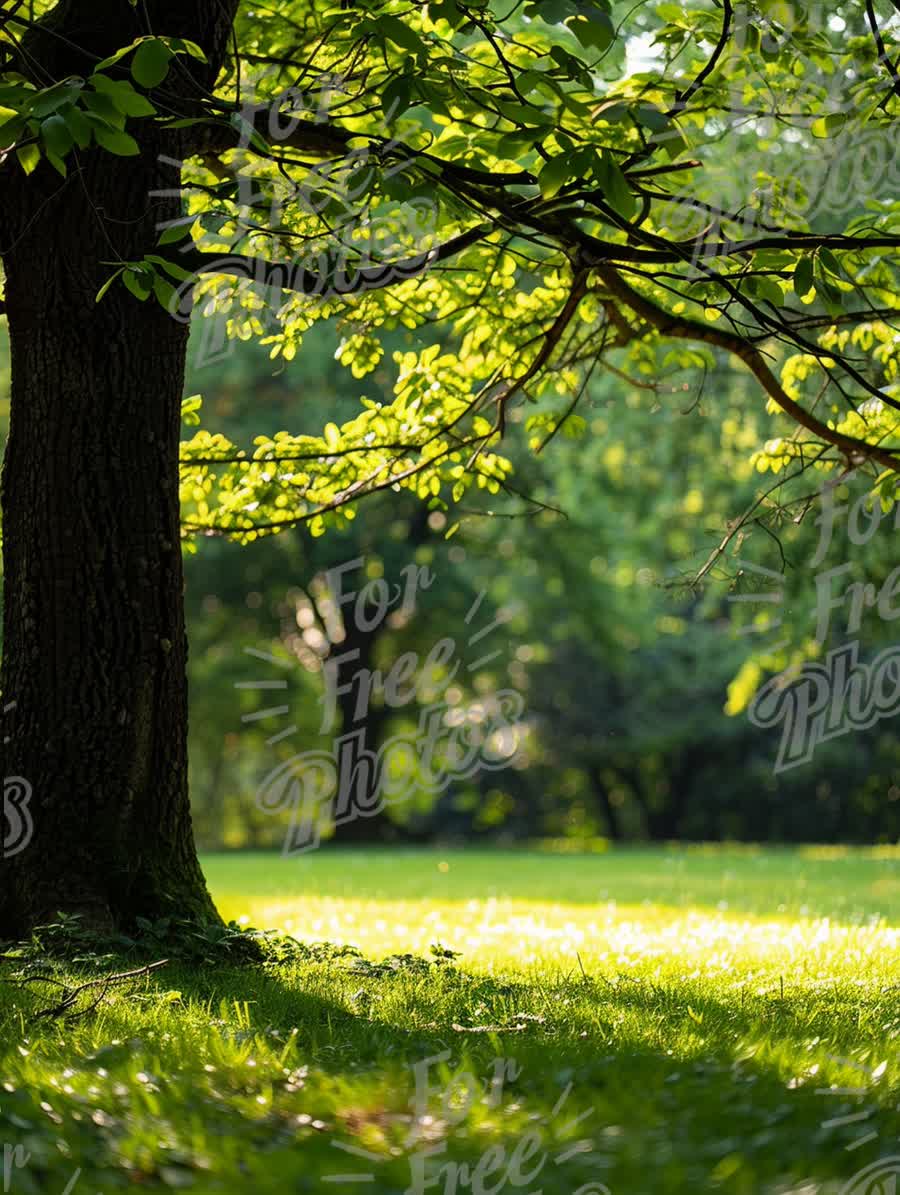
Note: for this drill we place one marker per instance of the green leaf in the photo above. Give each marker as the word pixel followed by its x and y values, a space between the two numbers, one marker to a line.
pixel 651 117
pixel 360 182
pixel 138 284
pixel 107 284
pixel 187 122
pixel 752 37
pixel 615 186
pixel 397 97
pixel 56 135
pixel 766 288
pixel 512 145
pixel 596 34
pixel 114 58
pixel 124 97
pixel 554 12
pixel 803 277
pixel 177 232
pixel 444 10
pixel 132 103
pixel 100 105
pixel 521 114
pixel 574 427
pixel 553 175
pixel 573 67
pixel 78 126
pixel 58 163
pixel 165 292
pixel 150 64
pixel 672 142
pixel 177 272
pixel 398 32
pixel 832 296
pixel 530 81
pixel 54 97
pixel 181 45
pixel 16 94
pixel 831 263
pixel 29 156
pixel 116 141
pixel 190 409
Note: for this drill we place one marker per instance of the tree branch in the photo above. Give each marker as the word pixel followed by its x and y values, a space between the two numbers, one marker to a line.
pixel 347 280
pixel 682 97
pixel 688 329
pixel 883 57
pixel 327 139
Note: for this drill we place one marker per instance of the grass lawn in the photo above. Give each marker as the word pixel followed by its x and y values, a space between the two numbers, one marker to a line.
pixel 637 1021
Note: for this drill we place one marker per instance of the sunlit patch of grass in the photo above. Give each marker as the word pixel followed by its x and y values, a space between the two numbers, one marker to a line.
pixel 671 911
pixel 665 1021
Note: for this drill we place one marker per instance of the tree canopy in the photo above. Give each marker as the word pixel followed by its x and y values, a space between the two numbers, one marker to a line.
pixel 539 190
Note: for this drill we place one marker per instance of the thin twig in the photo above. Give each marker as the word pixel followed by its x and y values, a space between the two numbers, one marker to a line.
pixel 104 982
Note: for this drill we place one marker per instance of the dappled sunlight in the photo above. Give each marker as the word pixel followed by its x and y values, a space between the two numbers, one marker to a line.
pixel 750 920
pixel 653 940
pixel 693 1047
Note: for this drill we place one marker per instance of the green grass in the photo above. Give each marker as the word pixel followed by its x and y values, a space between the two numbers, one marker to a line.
pixel 667 1021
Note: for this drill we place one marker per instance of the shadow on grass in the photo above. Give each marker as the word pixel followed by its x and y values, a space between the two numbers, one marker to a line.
pixel 287 1078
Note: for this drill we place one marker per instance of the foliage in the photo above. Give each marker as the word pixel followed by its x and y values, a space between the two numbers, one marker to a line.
pixel 534 190
pixel 623 658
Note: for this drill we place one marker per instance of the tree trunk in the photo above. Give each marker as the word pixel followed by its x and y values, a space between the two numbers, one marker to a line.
pixel 94 641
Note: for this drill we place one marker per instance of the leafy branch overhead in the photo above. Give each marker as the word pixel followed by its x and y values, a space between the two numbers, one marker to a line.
pixel 531 191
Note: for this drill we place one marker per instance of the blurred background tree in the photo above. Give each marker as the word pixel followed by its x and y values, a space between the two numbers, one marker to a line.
pixel 635 679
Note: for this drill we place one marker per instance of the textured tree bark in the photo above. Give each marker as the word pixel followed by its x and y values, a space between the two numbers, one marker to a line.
pixel 94 641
